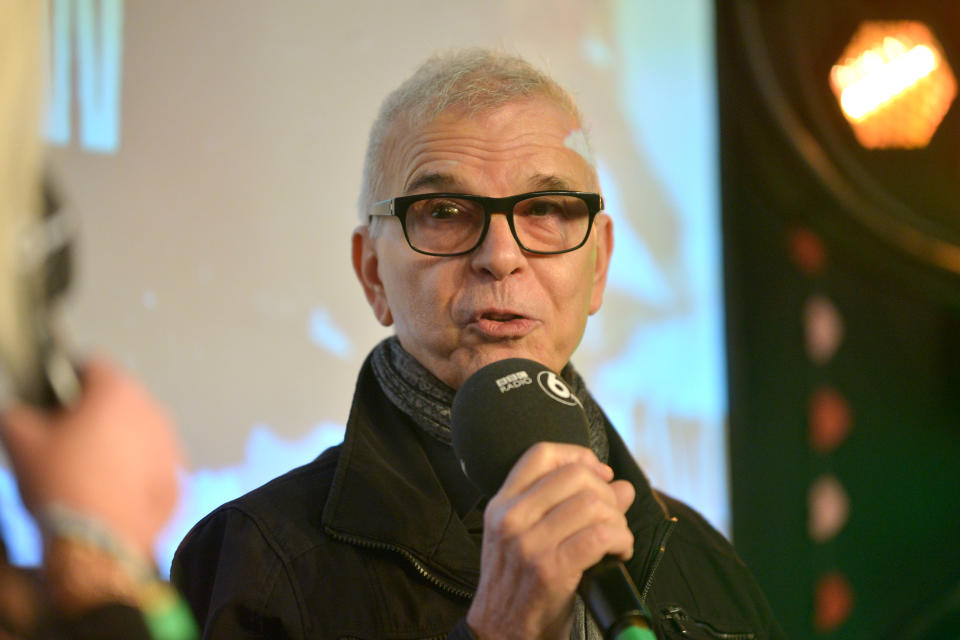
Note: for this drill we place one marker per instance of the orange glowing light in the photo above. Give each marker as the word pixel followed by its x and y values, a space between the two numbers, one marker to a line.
pixel 894 84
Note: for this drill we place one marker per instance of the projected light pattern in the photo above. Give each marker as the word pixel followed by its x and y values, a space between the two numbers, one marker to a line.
pixel 19 532
pixel 327 335
pixel 86 35
pixel 661 379
pixel 267 456
pixel 653 356
pixel 202 490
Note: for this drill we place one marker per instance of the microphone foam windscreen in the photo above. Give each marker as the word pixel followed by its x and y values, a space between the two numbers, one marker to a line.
pixel 505 408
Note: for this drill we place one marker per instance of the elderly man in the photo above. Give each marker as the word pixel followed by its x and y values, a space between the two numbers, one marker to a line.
pixel 483 238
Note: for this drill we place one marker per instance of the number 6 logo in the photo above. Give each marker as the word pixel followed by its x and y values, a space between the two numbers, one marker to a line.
pixel 556 388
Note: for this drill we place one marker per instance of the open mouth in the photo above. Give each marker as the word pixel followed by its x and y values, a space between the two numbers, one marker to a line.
pixel 501 317
pixel 502 324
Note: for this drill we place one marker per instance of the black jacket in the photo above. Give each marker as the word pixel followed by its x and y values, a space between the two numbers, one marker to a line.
pixel 363 542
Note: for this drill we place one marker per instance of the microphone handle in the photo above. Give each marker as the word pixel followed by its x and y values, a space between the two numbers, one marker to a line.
pixel 612 598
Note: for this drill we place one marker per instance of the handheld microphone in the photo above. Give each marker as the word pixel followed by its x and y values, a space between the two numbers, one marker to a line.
pixel 501 411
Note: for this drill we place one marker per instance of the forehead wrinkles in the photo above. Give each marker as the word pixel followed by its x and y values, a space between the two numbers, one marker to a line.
pixel 482 143
pixel 529 133
pixel 447 150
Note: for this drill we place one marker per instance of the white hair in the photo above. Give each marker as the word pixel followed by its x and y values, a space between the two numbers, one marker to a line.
pixel 475 79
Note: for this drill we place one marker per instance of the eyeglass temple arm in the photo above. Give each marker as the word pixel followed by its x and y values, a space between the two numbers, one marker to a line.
pixel 383 208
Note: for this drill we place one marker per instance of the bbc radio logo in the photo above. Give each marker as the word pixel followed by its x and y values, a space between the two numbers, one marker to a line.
pixel 549 382
pixel 85 51
pixel 513 381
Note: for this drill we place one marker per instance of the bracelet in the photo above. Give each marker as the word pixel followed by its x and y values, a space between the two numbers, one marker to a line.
pixel 59 521
pixel 85 541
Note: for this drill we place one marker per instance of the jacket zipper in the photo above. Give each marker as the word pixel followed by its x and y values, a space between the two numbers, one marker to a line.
pixel 678 616
pixel 666 528
pixel 438 582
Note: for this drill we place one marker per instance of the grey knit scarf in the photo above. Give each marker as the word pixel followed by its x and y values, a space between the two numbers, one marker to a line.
pixel 427 400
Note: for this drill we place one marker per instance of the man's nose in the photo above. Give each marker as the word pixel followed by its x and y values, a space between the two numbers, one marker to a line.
pixel 498 254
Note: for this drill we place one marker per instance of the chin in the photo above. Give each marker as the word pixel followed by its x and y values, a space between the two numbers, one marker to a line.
pixel 494 353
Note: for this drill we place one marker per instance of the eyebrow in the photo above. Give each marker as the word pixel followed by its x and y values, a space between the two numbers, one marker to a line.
pixel 550 182
pixel 434 180
pixel 447 182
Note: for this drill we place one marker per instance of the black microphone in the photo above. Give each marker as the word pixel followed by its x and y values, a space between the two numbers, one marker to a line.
pixel 501 411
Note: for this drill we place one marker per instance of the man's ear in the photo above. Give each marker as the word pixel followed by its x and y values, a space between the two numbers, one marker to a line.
pixel 366 266
pixel 603 227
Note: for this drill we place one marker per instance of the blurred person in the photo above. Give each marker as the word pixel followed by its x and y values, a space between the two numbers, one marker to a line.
pixel 99 475
pixel 482 238
pixel 100 479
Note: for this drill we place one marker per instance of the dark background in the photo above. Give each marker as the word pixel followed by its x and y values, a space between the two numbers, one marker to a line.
pixel 791 169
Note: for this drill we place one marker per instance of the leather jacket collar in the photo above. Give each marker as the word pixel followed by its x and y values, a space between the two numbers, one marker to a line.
pixel 383 467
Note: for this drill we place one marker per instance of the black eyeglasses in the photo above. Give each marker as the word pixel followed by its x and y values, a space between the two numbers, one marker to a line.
pixel 454 224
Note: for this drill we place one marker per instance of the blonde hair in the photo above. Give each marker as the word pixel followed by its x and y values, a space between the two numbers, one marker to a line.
pixel 21 24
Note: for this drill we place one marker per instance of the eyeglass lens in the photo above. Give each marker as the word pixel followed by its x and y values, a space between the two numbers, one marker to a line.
pixel 452 225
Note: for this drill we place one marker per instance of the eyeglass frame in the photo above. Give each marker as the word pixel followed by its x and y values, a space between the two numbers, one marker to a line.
pixel 398 206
